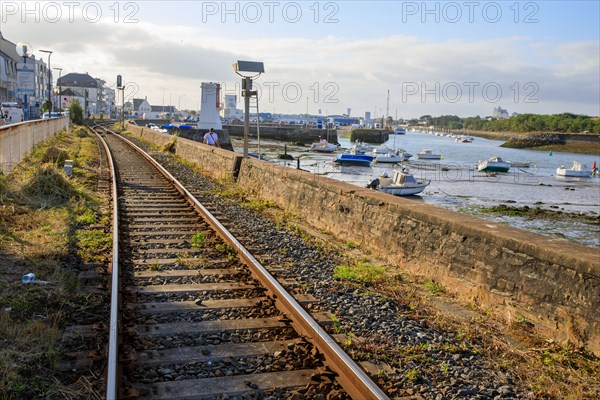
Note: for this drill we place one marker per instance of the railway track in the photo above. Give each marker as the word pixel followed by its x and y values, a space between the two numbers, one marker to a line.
pixel 197 315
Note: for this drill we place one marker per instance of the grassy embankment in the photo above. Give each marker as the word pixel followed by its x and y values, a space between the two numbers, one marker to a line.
pixel 48 226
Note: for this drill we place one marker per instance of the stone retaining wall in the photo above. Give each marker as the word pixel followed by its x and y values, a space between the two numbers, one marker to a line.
pixel 553 283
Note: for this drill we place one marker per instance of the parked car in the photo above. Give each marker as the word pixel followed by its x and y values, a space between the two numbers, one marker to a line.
pixel 11 113
pixel 47 115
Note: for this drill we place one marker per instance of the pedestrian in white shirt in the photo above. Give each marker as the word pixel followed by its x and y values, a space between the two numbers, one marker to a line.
pixel 211 138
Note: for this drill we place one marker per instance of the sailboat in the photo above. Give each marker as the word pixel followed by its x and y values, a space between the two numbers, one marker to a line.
pixel 383 154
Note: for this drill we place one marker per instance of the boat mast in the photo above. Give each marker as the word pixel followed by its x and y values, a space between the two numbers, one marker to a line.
pixel 387 110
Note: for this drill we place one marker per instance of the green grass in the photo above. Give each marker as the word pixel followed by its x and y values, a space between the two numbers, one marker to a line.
pixel 198 239
pixel 412 375
pixel 93 244
pixel 433 287
pixel 363 273
pixel 88 217
pixel 226 248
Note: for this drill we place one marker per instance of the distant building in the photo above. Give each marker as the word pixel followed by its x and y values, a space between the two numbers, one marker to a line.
pixel 230 112
pixel 8 70
pixel 143 109
pixel 94 96
pixel 81 86
pixel 68 96
pixel 11 73
pixel 106 99
pixel 499 112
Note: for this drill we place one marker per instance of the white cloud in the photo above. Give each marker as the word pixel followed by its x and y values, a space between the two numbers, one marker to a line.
pixel 172 60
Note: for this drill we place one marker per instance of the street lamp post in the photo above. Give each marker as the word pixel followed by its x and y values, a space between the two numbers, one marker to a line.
pixel 25 50
pixel 256 68
pixel 59 87
pixel 49 82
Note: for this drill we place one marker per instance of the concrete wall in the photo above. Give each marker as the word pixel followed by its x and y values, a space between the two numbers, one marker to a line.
pixel 553 283
pixel 18 140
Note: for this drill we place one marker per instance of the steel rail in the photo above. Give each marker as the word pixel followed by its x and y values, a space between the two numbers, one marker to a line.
pixel 112 381
pixel 350 376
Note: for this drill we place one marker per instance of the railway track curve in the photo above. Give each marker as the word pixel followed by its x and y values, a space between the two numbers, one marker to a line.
pixel 195 314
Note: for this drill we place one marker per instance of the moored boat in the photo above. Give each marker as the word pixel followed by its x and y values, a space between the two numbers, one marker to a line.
pixel 464 139
pixel 403 183
pixel 519 164
pixel 323 146
pixel 494 164
pixel 400 130
pixel 354 159
pixel 361 148
pixel 577 170
pixel 390 157
pixel 428 154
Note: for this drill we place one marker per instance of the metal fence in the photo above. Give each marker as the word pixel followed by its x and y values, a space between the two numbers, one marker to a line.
pixel 18 140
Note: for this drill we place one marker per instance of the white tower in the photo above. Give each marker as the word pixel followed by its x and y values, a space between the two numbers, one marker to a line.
pixel 209 106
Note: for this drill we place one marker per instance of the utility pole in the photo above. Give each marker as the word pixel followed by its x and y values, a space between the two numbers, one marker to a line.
pixel 122 89
pixel 247 93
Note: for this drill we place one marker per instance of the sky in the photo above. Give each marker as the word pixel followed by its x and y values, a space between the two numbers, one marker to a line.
pixel 437 57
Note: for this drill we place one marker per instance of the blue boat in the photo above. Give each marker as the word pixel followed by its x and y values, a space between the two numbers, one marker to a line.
pixel 354 159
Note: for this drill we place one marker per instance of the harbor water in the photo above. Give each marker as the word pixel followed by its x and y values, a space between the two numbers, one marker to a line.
pixel 457 185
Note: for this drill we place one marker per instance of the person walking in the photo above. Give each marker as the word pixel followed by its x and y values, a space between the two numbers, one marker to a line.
pixel 211 138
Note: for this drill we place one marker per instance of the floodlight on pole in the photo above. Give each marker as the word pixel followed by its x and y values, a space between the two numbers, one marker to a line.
pixel 49 52
pixel 254 68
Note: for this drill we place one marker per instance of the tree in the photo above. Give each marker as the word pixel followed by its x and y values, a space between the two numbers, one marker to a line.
pixel 76 112
pixel 46 105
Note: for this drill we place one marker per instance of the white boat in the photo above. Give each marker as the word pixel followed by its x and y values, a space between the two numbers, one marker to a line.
pixel 383 149
pixel 402 184
pixel 393 156
pixel 323 146
pixel 405 154
pixel 361 148
pixel 428 154
pixel 576 170
pixel 494 164
pixel 519 164
pixel 464 139
pixel 400 130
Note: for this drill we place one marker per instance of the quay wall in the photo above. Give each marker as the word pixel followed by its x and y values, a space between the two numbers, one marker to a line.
pixel 553 283
pixel 286 133
pixel 377 136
